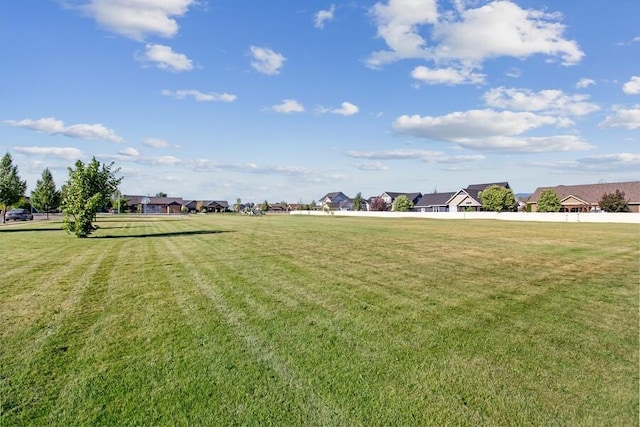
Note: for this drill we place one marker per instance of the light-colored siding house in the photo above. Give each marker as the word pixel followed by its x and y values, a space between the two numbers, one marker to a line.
pixel 335 201
pixel 389 197
pixel 469 198
pixel 335 197
pixel 586 198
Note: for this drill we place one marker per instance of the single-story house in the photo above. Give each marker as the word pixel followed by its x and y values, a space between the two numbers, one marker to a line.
pixel 215 206
pixel 153 204
pixel 191 206
pixel 278 208
pixel 433 202
pixel 586 198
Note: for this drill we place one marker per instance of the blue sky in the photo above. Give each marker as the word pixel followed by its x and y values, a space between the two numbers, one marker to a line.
pixel 289 100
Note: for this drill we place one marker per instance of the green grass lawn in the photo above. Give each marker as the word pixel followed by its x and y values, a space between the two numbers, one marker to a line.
pixel 297 320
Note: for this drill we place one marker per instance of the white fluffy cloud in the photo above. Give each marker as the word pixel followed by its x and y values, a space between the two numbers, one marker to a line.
pixel 448 76
pixel 129 152
pixel 53 126
pixel 584 83
pixel 346 109
pixel 502 28
pixel 548 101
pixel 398 23
pixel 490 130
pixel 166 59
pixel 200 96
pixel 137 19
pixel 67 153
pixel 465 39
pixel 323 16
pixel 266 61
pixel 288 106
pixel 632 87
pixel 626 118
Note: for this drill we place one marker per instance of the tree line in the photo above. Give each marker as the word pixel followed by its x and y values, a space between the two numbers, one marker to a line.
pixel 86 192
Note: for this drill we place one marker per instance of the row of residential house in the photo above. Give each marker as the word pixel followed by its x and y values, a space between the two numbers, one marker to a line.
pixel 573 198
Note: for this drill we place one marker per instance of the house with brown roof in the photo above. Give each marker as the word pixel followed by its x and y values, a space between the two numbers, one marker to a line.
pixel 153 204
pixel 586 198
pixel 215 206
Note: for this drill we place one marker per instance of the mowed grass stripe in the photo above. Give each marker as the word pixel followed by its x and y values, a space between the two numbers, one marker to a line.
pixel 158 362
pixel 332 320
pixel 464 315
pixel 214 283
pixel 48 361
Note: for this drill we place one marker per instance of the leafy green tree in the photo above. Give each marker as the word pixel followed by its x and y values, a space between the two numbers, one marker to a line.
pixel 237 205
pixel 12 188
pixel 401 204
pixel 265 206
pixel 549 201
pixel 497 198
pixel 378 204
pixel 45 197
pixel 87 191
pixel 358 201
pixel 161 194
pixel 313 205
pixel 614 202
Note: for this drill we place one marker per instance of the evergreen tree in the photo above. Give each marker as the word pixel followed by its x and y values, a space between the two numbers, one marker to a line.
pixel 358 201
pixel 12 188
pixel 45 197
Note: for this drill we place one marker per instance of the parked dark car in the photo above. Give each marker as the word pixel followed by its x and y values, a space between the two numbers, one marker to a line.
pixel 18 215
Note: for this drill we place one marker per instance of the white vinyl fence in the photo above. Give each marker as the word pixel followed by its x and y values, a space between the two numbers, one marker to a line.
pixel 631 218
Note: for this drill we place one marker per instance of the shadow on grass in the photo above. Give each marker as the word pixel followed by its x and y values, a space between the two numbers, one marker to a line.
pixel 172 234
pixel 22 229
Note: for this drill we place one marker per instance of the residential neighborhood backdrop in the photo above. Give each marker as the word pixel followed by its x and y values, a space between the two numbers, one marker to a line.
pixel 573 199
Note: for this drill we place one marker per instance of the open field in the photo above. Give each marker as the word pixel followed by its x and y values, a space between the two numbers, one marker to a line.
pixel 294 320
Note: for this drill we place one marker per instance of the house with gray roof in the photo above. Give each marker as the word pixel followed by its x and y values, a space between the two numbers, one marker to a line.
pixel 433 202
pixel 469 198
pixel 335 197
